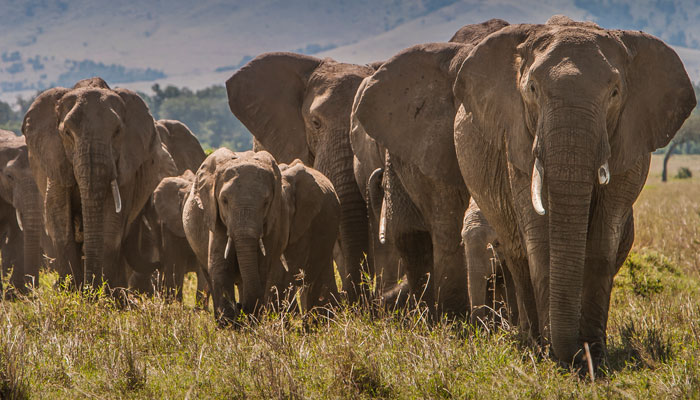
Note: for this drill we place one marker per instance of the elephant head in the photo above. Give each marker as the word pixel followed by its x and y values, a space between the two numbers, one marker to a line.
pixel 573 106
pixel 18 188
pixel 299 106
pixel 240 195
pixel 103 142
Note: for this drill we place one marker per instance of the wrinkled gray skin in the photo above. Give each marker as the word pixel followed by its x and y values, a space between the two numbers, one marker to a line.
pixel 157 241
pixel 298 107
pixel 261 212
pixel 513 94
pixel 491 287
pixel 20 214
pixel 423 212
pixel 95 155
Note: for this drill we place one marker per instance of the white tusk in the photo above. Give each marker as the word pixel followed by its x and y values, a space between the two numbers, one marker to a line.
pixel 536 187
pixel 604 174
pixel 262 246
pixel 284 263
pixel 117 196
pixel 382 223
pixel 228 247
pixel 145 222
pixel 19 219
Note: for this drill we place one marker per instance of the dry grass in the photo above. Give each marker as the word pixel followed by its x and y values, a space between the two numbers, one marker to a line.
pixel 58 345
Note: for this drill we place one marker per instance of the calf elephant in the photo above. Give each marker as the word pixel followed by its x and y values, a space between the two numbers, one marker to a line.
pixel 255 225
pixel 298 107
pixel 20 213
pixel 564 116
pixel 423 209
pixel 94 153
pixel 491 287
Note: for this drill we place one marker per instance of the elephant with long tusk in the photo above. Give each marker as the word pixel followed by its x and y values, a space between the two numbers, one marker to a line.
pixel 256 224
pixel 95 156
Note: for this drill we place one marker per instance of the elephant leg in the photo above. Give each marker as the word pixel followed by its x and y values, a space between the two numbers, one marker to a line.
pixel 202 295
pixel 508 295
pixel 13 250
pixel 222 277
pixel 416 252
pixel 60 225
pixel 450 271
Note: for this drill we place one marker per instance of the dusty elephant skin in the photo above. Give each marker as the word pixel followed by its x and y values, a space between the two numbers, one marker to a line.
pixel 94 153
pixel 255 225
pixel 423 208
pixel 156 240
pixel 526 146
pixel 20 213
pixel 298 106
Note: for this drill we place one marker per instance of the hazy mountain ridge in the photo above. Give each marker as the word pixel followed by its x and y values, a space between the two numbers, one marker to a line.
pixel 198 44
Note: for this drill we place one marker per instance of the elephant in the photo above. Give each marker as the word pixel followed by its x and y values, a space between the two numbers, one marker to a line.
pixel 20 214
pixel 422 211
pixel 96 157
pixel 255 224
pixel 298 107
pixel 489 280
pixel 549 128
pixel 176 255
pixel 157 241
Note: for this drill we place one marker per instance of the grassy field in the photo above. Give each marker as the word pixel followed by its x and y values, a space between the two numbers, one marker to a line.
pixel 57 345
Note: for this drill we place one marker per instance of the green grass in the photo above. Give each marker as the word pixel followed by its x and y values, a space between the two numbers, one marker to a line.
pixel 57 344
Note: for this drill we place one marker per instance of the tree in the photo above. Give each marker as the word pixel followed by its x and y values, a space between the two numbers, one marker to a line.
pixel 688 134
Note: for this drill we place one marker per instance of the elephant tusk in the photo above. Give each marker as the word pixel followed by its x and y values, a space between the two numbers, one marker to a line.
pixel 19 219
pixel 228 248
pixel 117 196
pixel 382 223
pixel 536 187
pixel 284 263
pixel 262 246
pixel 604 174
pixel 145 222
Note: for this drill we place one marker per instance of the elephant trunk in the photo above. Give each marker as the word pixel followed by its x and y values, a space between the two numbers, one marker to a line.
pixel 251 291
pixel 94 170
pixel 29 209
pixel 570 173
pixel 336 162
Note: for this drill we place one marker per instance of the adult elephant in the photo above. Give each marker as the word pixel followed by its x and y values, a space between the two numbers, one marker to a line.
pixel 298 107
pixel 256 224
pixel 420 211
pixel 563 117
pixel 95 154
pixel 20 213
pixel 156 241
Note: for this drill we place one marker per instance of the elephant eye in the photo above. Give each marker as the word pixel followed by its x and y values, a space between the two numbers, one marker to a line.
pixel 225 201
pixel 316 123
pixel 532 87
pixel 614 93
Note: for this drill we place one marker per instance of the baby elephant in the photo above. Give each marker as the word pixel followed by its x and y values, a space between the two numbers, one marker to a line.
pixel 255 224
pixel 491 287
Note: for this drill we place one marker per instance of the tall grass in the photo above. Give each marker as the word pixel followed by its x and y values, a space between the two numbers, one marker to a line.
pixel 55 344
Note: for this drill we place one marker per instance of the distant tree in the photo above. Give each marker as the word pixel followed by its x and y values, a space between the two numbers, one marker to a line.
pixel 688 136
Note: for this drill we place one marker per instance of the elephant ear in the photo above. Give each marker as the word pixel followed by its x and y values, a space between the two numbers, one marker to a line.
pixel 140 143
pixel 267 95
pixel 659 98
pixel 475 33
pixel 40 127
pixel 307 188
pixel 181 143
pixel 408 107
pixel 204 186
pixel 487 86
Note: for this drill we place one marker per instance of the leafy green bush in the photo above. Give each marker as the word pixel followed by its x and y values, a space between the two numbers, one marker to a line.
pixel 683 173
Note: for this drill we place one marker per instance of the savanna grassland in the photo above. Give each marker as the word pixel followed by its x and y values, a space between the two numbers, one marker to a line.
pixel 58 344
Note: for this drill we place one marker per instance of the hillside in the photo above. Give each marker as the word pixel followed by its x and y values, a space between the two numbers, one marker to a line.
pixel 56 42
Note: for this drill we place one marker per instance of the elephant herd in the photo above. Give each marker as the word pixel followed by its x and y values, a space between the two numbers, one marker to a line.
pixel 547 127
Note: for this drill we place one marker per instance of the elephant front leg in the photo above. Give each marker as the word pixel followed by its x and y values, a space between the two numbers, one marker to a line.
pixel 60 227
pixel 222 278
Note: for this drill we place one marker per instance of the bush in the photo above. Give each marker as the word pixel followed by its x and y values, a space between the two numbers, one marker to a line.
pixel 683 173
